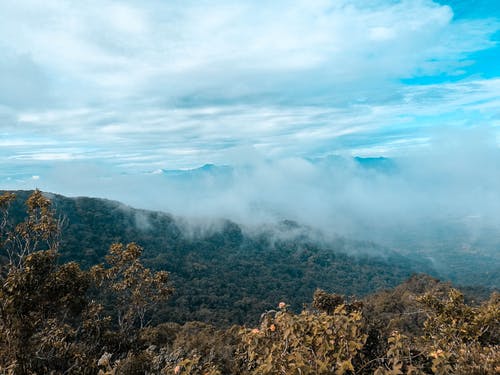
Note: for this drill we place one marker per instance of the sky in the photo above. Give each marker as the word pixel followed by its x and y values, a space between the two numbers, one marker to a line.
pixel 137 86
pixel 98 97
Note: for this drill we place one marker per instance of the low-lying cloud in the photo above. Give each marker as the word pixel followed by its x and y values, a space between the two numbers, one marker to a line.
pixel 453 179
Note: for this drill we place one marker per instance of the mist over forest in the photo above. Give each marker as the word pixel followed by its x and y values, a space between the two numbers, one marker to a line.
pixel 439 203
pixel 451 181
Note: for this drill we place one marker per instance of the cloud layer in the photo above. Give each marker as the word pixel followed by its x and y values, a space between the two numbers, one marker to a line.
pixel 179 84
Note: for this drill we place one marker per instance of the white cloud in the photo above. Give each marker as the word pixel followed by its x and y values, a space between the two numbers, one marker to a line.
pixel 382 33
pixel 188 137
pixel 178 84
pixel 225 49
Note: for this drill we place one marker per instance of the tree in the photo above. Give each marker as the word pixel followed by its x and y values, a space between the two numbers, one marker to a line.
pixel 48 322
pixel 135 288
pixel 39 299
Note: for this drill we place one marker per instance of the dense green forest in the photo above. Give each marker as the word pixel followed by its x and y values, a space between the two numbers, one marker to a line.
pixel 223 275
pixel 58 316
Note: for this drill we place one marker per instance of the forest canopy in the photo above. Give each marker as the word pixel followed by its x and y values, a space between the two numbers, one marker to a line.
pixel 57 317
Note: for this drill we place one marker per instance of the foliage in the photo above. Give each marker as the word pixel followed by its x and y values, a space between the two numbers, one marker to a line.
pixel 461 338
pixel 36 295
pixel 47 320
pixel 135 288
pixel 399 358
pixel 39 231
pixel 305 343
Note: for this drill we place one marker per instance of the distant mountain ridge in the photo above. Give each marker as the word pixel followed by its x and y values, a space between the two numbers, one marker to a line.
pixel 206 168
pixel 380 164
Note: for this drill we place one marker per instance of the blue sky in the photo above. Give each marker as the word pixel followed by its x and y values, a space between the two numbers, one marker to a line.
pixel 133 86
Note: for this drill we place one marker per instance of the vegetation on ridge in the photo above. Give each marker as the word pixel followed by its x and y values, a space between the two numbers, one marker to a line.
pixel 224 276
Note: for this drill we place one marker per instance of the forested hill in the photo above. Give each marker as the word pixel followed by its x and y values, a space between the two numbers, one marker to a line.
pixel 223 275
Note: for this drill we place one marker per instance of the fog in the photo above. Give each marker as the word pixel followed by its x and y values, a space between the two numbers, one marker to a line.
pixel 454 179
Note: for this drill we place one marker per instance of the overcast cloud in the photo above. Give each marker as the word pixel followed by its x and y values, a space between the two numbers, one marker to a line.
pixel 176 84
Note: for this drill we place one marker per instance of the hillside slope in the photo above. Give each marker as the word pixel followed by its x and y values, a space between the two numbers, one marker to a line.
pixel 223 275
